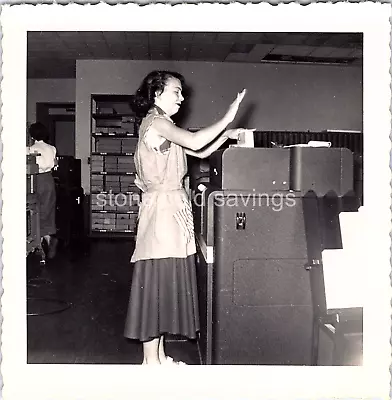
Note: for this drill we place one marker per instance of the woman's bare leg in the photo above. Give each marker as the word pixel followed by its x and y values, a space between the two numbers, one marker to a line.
pixel 150 352
pixel 163 358
pixel 161 351
pixel 47 238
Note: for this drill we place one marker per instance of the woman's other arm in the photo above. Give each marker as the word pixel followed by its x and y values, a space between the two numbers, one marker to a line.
pixel 198 140
pixel 229 134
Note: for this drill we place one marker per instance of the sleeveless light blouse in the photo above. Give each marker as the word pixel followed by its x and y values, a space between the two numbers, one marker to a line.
pixel 165 225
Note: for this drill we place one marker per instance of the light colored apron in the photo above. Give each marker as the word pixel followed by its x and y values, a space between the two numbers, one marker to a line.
pixel 165 226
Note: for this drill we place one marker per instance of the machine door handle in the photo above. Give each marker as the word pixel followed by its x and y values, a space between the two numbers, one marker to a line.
pixel 313 263
pixel 78 200
pixel 240 220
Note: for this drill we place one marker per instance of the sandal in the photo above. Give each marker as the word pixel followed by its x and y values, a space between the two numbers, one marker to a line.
pixel 144 363
pixel 170 361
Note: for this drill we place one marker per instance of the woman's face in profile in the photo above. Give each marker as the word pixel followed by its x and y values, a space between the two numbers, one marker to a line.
pixel 171 98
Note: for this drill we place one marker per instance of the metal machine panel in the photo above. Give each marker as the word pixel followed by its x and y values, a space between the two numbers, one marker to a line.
pixel 300 169
pixel 250 169
pixel 268 224
pixel 321 170
pixel 261 298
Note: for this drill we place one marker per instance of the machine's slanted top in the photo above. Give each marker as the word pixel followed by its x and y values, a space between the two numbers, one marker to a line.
pixel 298 169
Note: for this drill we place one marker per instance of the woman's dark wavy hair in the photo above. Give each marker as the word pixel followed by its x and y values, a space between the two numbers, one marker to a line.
pixel 38 131
pixel 154 82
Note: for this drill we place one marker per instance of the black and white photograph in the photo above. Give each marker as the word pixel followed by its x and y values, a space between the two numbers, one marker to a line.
pixel 258 296
pixel 203 199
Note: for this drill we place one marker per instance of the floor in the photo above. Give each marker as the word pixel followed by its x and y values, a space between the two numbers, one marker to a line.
pixel 95 280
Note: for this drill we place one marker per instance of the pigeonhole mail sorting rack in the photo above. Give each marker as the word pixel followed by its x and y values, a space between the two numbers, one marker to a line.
pixel 114 200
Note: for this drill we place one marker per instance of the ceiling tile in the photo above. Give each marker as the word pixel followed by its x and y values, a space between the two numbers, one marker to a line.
pixel 250 37
pixel 116 43
pixel 316 39
pixel 242 47
pixel 180 56
pixel 295 39
pixel 181 37
pixel 68 35
pixel 203 53
pixel 92 36
pixel 99 50
pixel 292 50
pixel 159 38
pixel 160 52
pixel 66 55
pixel 341 53
pixel 340 39
pixel 180 53
pixel 48 45
pixel 236 57
pixel 197 52
pixel 227 37
pixel 114 37
pixel 210 52
pixel 43 35
pixel 221 51
pixel 204 37
pixel 137 37
pixel 140 52
pixel 358 53
pixel 322 51
pixel 75 45
pixel 273 37
pixel 258 52
pixel 119 52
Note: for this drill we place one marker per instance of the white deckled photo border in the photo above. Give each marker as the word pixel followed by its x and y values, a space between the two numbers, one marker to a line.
pixel 22 380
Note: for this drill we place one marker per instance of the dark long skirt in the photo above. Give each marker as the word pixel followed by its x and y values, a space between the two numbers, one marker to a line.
pixel 46 195
pixel 163 299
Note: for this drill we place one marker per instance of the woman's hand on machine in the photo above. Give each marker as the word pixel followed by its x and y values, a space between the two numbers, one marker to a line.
pixel 232 111
pixel 235 133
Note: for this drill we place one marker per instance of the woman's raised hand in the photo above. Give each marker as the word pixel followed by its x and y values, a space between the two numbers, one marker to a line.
pixel 232 111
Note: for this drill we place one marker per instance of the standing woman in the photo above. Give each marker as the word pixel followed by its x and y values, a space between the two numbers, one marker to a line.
pixel 46 192
pixel 163 296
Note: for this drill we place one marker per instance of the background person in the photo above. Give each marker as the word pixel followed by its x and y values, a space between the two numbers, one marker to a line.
pixel 46 191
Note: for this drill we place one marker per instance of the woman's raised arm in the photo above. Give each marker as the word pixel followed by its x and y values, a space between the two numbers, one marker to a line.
pixel 198 140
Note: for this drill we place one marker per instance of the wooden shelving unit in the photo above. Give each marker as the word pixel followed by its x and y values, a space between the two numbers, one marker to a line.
pixel 114 200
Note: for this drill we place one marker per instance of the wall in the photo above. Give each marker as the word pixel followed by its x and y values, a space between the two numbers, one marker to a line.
pixel 48 91
pixel 280 96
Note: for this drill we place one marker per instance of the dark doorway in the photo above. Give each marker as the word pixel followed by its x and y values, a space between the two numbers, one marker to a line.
pixel 59 118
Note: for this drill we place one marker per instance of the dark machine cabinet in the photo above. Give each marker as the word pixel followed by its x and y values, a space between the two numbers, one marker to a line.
pixel 70 213
pixel 256 297
pixel 68 172
pixel 33 237
pixel 262 286
pixel 262 290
